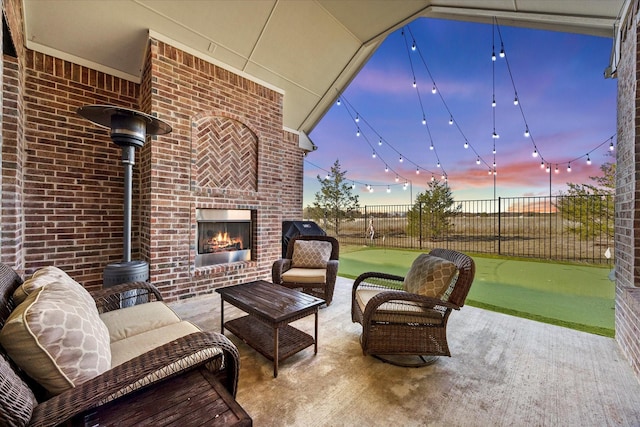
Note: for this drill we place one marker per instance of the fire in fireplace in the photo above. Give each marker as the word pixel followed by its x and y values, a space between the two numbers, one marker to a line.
pixel 223 236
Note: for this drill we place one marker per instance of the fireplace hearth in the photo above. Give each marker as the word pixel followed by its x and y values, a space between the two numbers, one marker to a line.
pixel 223 236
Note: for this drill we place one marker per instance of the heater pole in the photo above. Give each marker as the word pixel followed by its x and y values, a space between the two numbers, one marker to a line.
pixel 128 160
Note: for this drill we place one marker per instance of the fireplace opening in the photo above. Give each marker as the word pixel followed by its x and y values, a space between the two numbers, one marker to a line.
pixel 223 236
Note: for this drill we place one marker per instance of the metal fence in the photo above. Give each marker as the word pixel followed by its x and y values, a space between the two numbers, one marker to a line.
pixel 562 228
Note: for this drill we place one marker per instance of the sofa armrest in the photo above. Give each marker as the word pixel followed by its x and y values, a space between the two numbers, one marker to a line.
pixel 98 390
pixel 125 294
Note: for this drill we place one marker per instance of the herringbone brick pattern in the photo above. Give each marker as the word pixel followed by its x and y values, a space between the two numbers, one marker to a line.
pixel 226 154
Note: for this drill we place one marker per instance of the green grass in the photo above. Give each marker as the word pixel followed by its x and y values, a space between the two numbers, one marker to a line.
pixel 571 295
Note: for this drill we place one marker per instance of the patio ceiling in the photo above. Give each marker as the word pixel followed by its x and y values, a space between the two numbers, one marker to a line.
pixel 308 50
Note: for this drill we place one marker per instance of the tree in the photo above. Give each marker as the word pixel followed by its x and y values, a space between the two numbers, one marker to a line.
pixel 431 214
pixel 334 201
pixel 590 207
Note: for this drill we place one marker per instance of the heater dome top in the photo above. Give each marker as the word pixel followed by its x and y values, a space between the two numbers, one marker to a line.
pixel 103 115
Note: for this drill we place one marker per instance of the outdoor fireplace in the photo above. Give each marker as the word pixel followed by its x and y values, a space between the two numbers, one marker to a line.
pixel 222 236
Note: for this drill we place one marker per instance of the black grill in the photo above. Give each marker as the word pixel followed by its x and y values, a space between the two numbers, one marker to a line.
pixel 291 229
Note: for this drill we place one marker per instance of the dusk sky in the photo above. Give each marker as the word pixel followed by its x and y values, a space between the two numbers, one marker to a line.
pixel 564 100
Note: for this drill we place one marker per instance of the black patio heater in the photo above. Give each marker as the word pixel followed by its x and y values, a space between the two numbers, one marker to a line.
pixel 129 129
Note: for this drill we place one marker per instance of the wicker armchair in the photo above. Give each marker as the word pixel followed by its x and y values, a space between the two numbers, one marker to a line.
pixel 24 402
pixel 319 282
pixel 403 328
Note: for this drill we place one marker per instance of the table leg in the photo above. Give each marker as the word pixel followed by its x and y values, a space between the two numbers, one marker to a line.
pixel 275 352
pixel 315 338
pixel 221 315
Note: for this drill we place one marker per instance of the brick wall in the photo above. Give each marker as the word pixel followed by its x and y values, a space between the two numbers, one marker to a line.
pixel 205 103
pixel 627 239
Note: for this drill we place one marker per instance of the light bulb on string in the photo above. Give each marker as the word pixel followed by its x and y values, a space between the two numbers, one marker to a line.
pixel 557 170
pixel 444 178
pixel 388 189
pixel 588 160
pixel 433 89
pixel 401 159
pixel 548 168
pixel 373 155
pixel 495 135
pixel 611 146
pixel 431 147
pixel 379 142
pixel 433 178
pixel 438 165
pixel 569 167
pixel 542 164
pixel 502 53
pixel 478 161
pixel 466 144
pixel 413 46
pixel 404 186
pixel 515 100
pixel 494 165
pixel 353 185
pixel 417 171
pixel 535 153
pixel 338 102
pixel 414 83
pixel 526 132
pixel 328 177
pixel 493 56
pixel 493 102
pixel 358 132
pixel 424 120
pixel 397 178
pixel 494 149
pixel 370 189
pixel 386 168
pixel 451 120
pixel 495 172
pixel 489 171
pixel 357 118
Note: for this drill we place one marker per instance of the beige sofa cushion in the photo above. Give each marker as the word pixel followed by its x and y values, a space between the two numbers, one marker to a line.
pixel 56 336
pixel 130 321
pixel 40 278
pixel 135 345
pixel 311 253
pixel 305 275
pixel 429 276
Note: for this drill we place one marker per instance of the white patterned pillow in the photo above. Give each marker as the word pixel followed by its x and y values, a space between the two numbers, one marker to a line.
pixel 56 336
pixel 40 278
pixel 311 253
pixel 429 276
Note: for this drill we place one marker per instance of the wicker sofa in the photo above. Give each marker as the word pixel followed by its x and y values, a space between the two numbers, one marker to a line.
pixel 147 344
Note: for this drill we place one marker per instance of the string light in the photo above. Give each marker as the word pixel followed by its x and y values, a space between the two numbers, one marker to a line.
pixel 526 132
pixel 424 120
pixel 338 102
pixel 431 147
pixel 433 89
pixel 379 142
pixel 535 153
pixel 588 159
pixel 357 118
pixel 557 171
pixel 451 120
pixel 466 144
pixel 401 159
pixel 611 146
pixel 478 161
pixel 515 100
pixel 358 132
pixel 569 167
pixel 548 168
pixel 373 155
pixel 417 171
pixel 388 189
pixel 386 168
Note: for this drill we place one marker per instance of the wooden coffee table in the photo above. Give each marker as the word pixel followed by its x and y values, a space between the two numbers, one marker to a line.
pixel 270 308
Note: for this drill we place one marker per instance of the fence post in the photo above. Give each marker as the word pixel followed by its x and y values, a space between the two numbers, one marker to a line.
pixel 499 225
pixel 420 225
pixel 364 226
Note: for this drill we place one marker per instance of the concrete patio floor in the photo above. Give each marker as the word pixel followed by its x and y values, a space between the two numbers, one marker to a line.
pixel 504 371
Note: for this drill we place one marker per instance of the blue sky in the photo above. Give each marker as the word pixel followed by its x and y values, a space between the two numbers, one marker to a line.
pixel 564 100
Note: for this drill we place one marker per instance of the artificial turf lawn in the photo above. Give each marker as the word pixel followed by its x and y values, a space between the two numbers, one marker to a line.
pixel 571 295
